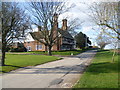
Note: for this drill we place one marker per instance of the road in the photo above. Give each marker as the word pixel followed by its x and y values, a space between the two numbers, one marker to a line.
pixel 58 74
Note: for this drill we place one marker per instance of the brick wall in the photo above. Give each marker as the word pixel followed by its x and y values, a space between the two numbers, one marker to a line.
pixel 33 45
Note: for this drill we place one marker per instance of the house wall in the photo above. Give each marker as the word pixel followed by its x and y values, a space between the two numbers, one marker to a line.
pixel 33 45
pixel 61 45
pixel 57 45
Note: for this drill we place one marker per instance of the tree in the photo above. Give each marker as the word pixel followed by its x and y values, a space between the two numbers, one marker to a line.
pixel 105 15
pixel 45 17
pixel 115 45
pixel 0 26
pixel 82 40
pixel 14 22
pixel 102 40
pixel 74 24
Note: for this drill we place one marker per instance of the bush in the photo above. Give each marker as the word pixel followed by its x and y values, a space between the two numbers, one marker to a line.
pixel 7 49
pixel 19 49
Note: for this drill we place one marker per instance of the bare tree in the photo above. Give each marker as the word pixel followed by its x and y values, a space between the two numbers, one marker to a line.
pixel 14 22
pixel 74 24
pixel 114 46
pixel 45 17
pixel 102 40
pixel 105 14
pixel 0 26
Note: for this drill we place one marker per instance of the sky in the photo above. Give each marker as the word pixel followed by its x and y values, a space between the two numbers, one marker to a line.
pixel 80 11
pixel 88 27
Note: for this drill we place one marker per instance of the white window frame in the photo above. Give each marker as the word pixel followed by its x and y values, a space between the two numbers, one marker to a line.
pixel 29 48
pixel 38 47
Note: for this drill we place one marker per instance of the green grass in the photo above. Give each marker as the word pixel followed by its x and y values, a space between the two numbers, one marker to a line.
pixel 17 61
pixel 102 73
pixel 63 53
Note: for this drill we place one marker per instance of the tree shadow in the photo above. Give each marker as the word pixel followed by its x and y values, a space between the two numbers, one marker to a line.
pixel 15 67
pixel 102 50
pixel 106 67
pixel 77 69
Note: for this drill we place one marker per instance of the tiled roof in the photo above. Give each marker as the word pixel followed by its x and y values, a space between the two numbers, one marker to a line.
pixel 36 35
pixel 65 33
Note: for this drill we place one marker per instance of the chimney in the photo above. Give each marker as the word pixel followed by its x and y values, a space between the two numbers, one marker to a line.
pixel 39 28
pixel 55 18
pixel 64 25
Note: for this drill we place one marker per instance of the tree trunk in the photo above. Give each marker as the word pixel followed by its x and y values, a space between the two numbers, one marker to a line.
pixel 49 50
pixel 45 48
pixel 3 55
pixel 113 55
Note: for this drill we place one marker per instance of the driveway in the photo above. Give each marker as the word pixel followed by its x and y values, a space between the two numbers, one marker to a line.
pixel 58 74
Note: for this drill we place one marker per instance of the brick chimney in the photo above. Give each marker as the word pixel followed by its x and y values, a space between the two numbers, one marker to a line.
pixel 64 25
pixel 55 18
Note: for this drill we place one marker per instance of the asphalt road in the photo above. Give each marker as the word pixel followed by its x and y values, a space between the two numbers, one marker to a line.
pixel 58 74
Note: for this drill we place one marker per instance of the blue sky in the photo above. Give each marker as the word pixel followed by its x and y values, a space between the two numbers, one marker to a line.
pixel 79 11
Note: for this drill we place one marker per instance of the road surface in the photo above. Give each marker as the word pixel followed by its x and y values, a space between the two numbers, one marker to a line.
pixel 58 74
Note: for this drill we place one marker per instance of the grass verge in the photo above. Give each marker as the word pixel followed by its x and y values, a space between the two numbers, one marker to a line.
pixel 63 53
pixel 102 73
pixel 14 62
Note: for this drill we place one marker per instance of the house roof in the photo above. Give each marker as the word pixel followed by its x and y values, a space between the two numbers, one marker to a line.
pixel 36 35
pixel 64 33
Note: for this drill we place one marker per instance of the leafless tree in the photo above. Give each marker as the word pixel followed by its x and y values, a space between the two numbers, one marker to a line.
pixel 105 14
pixel 102 40
pixel 114 46
pixel 14 22
pixel 45 15
pixel 74 24
pixel 0 26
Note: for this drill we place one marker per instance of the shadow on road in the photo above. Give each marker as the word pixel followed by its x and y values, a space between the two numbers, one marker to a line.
pixel 56 70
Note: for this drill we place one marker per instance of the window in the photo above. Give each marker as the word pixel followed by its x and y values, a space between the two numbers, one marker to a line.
pixel 38 47
pixel 29 48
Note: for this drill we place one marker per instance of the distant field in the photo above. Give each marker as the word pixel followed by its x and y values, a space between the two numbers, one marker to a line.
pixel 17 61
pixel 102 73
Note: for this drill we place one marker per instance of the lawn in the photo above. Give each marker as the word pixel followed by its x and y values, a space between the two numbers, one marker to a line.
pixel 62 53
pixel 102 73
pixel 17 61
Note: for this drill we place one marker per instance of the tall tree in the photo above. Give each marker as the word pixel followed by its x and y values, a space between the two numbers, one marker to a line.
pixel 82 40
pixel 105 15
pixel 45 16
pixel 14 22
pixel 0 26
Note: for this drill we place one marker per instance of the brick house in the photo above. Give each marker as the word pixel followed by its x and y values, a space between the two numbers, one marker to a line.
pixel 65 42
